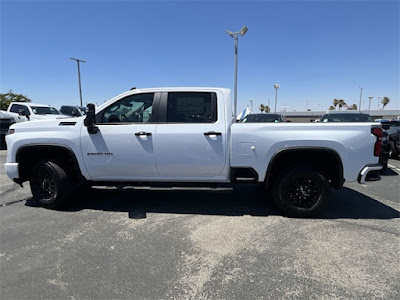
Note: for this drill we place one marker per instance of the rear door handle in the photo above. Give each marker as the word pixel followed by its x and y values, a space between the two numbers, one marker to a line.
pixel 143 133
pixel 212 133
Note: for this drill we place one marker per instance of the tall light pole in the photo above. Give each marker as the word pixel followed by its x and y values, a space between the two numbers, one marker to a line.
pixel 79 76
pixel 369 105
pixel 379 101
pixel 276 86
pixel 235 36
pixel 307 105
pixel 359 108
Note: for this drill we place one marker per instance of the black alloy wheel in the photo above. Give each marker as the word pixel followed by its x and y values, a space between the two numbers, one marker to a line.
pixel 51 184
pixel 301 191
pixel 44 183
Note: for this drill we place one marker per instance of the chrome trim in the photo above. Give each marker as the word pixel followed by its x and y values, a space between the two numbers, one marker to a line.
pixel 368 168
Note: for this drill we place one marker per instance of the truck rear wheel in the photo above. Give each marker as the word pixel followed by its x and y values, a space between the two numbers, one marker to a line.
pixel 50 184
pixel 301 192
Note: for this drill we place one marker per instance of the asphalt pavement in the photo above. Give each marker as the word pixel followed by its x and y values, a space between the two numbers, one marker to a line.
pixel 223 244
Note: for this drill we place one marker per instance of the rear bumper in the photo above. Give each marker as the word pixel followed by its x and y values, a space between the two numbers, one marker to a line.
pixel 368 168
pixel 12 171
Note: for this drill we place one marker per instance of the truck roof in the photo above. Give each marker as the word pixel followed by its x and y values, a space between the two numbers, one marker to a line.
pixel 159 89
pixel 32 104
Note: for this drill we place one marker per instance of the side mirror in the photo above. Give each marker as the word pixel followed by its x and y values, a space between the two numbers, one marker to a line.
pixel 90 120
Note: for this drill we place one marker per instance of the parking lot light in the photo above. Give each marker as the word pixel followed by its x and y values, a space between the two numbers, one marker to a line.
pixel 234 35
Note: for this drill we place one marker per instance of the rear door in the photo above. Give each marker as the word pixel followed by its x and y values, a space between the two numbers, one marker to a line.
pixel 191 136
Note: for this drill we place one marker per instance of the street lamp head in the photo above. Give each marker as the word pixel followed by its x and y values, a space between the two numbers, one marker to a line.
pixel 77 59
pixel 277 86
pixel 243 30
pixel 229 32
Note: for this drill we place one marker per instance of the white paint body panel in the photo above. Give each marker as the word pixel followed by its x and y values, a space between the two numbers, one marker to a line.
pixel 353 142
pixel 182 153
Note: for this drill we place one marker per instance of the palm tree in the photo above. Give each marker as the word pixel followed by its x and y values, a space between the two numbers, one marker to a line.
pixel 267 109
pixel 262 107
pixel 341 103
pixel 335 103
pixel 385 101
pixel 332 107
pixel 354 107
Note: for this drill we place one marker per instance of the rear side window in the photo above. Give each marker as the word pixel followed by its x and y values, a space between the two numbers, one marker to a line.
pixel 191 107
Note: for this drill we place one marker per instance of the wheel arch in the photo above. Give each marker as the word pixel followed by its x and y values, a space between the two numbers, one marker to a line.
pixel 325 159
pixel 27 156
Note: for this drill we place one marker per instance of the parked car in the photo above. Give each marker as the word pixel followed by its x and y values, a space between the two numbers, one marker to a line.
pixel 252 118
pixel 352 116
pixel 5 122
pixel 73 111
pixel 392 127
pixel 26 111
pixel 346 117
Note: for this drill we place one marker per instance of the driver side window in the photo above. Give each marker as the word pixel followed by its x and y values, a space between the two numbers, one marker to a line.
pixel 131 109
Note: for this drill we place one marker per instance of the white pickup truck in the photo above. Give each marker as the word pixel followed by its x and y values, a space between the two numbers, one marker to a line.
pixel 27 111
pixel 189 136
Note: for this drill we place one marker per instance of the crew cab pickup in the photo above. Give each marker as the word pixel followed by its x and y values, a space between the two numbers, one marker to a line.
pixel 24 111
pixel 189 136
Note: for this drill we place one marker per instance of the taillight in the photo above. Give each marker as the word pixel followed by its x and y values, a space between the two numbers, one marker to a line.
pixel 377 131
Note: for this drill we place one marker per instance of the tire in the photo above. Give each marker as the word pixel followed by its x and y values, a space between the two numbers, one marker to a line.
pixel 51 184
pixel 393 151
pixel 301 192
pixel 384 166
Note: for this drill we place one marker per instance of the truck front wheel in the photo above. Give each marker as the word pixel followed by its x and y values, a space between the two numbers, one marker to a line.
pixel 50 184
pixel 301 192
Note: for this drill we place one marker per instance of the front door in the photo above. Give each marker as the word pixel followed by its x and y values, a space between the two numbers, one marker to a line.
pixel 123 148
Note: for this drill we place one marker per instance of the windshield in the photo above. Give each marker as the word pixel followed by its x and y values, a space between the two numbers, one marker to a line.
pixel 43 110
pixel 346 118
pixel 262 118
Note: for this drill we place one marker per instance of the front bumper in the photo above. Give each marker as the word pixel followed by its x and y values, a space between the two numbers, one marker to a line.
pixel 12 171
pixel 368 168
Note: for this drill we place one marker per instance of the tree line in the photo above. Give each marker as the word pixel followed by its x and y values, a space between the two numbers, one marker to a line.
pixel 341 103
pixel 7 98
pixel 336 103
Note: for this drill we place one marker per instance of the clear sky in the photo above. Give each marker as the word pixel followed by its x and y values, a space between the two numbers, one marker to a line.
pixel 315 50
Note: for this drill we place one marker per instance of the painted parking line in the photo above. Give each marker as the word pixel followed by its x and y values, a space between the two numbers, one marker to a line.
pixel 393 167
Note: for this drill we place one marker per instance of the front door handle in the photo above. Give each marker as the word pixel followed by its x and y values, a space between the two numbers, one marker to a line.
pixel 143 133
pixel 212 133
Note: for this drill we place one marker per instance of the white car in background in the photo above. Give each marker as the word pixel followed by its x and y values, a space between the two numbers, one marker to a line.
pixel 25 111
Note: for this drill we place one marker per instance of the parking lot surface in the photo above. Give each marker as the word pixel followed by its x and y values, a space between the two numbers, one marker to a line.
pixel 223 244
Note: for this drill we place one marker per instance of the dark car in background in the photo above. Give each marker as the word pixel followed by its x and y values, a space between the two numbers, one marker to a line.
pixel 346 117
pixel 392 127
pixel 5 122
pixel 252 118
pixel 352 116
pixel 73 111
